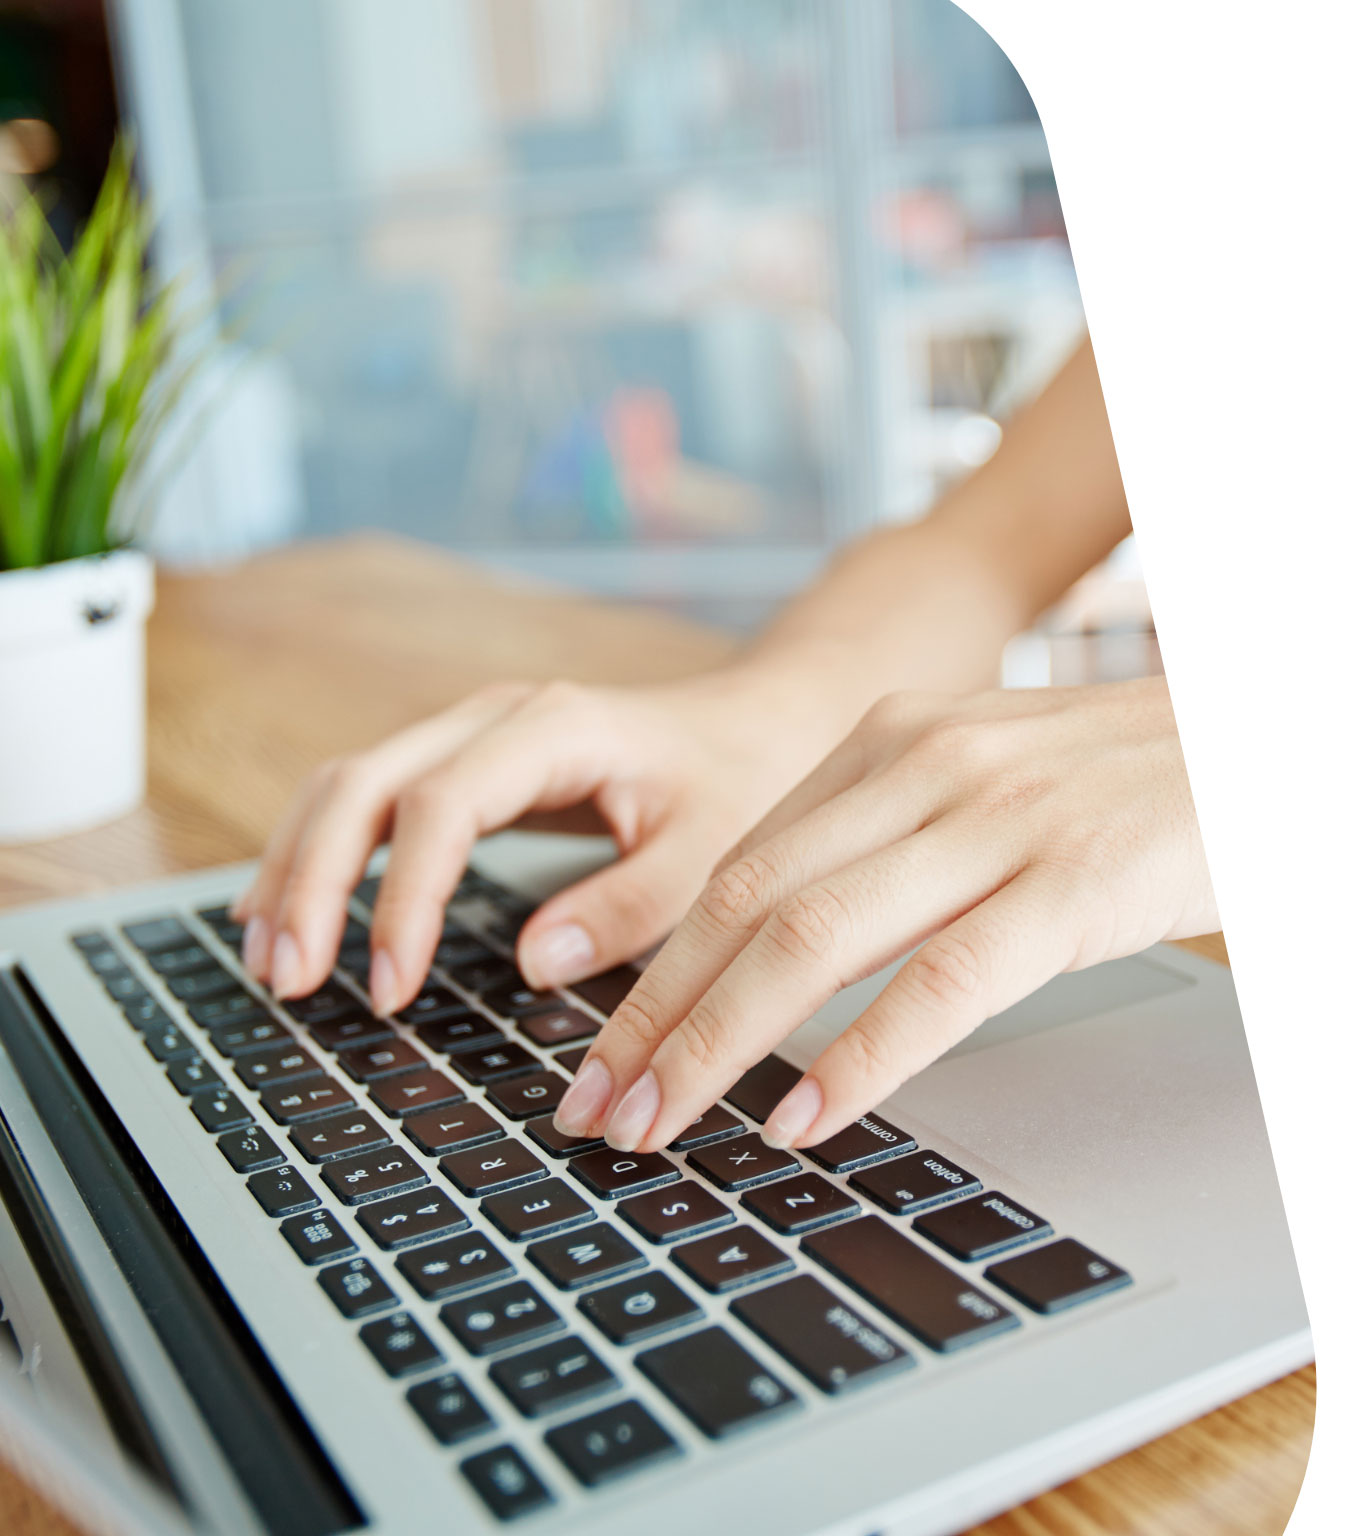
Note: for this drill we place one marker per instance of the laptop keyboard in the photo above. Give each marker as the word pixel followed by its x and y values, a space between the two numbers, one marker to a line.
pixel 429 1137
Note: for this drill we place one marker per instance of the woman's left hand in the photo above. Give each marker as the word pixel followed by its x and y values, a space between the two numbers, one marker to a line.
pixel 1011 835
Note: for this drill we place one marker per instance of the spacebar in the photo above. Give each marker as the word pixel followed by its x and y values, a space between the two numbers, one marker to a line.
pixel 925 1297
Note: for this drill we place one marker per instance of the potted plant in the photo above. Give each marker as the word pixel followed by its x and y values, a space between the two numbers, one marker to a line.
pixel 93 357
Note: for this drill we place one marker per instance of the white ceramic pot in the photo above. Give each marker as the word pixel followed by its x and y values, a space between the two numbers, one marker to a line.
pixel 73 693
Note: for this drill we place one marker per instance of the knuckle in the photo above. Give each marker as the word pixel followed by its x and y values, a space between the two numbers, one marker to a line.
pixel 951 970
pixel 813 925
pixel 703 1038
pixel 422 800
pixel 885 719
pixel 636 1020
pixel 741 895
pixel 870 1053
pixel 561 696
pixel 953 742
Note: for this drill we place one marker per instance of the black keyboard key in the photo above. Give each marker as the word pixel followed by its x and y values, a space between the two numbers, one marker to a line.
pixel 90 941
pixel 449 1409
pixel 326 1003
pixel 610 1443
pixel 156 933
pixel 269 1067
pixel 800 1205
pixel 184 960
pixel 607 991
pixel 763 1088
pixel 400 1345
pixel 502 1478
pixel 742 1161
pixel 494 1320
pixel 308 1100
pixel 490 1063
pixel 201 986
pixel 444 1130
pixel 518 1000
pixel 454 1265
pixel 366 1063
pixel 252 1032
pixel 716 1382
pixel 526 1096
pixel 571 1061
pixel 726 1260
pixel 981 1227
pixel 412 1218
pixel 557 1026
pixel 281 1192
pixel 317 1237
pixel 105 960
pixel 833 1346
pixel 127 991
pixel 542 1131
pixel 483 975
pixel 357 1288
pixel 464 1034
pixel 388 1171
pixel 460 949
pixel 434 1002
pixel 488 1169
pixel 250 1151
pixel 611 1175
pixel 192 1075
pixel 551 1376
pixel 584 1257
pixel 168 1044
pixel 218 1111
pixel 220 920
pixel 869 1139
pixel 639 1308
pixel 668 1215
pixel 549 1206
pixel 414 1091
pixel 915 1290
pixel 228 1009
pixel 320 1141
pixel 714 1124
pixel 350 1030
pixel 146 1015
pixel 916 1183
pixel 1057 1276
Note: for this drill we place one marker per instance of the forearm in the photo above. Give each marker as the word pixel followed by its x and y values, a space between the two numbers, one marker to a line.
pixel 930 605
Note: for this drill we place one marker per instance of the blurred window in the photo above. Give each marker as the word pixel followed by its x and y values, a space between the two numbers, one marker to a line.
pixel 661 297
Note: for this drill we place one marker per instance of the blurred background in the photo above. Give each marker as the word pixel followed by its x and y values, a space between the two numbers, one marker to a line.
pixel 662 299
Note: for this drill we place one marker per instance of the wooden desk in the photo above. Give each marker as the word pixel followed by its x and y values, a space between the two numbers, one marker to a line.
pixel 258 672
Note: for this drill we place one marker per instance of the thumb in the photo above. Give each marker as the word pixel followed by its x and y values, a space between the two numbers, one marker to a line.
pixel 618 913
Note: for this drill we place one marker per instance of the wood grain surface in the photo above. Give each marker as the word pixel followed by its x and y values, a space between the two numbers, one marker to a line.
pixel 258 672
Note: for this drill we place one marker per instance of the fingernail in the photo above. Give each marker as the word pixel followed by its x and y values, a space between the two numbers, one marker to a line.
pixel 795 1115
pixel 284 966
pixel 559 955
pixel 635 1114
pixel 383 983
pixel 256 948
pixel 585 1099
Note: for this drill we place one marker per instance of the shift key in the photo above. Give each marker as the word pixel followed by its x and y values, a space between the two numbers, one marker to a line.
pixel 924 1296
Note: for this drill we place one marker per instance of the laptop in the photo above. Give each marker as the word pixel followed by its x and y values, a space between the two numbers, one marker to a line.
pixel 301 1271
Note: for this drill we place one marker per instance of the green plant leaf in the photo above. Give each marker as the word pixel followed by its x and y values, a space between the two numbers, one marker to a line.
pixel 94 359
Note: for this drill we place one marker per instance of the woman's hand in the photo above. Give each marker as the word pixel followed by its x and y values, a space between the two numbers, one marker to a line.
pixel 1013 835
pixel 675 772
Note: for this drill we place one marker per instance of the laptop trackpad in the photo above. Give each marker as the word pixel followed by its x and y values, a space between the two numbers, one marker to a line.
pixel 1077 995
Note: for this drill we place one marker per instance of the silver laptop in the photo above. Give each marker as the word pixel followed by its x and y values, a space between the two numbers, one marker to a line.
pixel 299 1270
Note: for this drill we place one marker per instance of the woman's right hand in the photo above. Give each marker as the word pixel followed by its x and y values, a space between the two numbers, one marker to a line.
pixel 677 772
